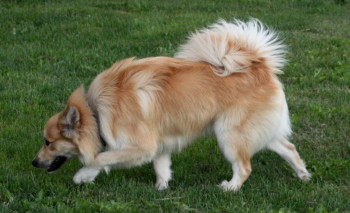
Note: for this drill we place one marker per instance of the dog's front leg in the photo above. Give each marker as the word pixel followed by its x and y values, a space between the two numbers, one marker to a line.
pixel 86 174
pixel 125 158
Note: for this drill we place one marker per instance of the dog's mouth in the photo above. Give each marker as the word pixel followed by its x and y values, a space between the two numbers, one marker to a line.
pixel 57 163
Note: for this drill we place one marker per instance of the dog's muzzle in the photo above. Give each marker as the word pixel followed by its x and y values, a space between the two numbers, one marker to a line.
pixel 55 164
pixel 36 163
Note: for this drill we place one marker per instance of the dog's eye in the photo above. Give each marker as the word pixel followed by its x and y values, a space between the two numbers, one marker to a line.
pixel 47 143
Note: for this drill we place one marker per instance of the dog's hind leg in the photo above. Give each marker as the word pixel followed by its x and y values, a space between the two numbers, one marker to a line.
pixel 241 169
pixel 288 152
pixel 234 147
pixel 161 166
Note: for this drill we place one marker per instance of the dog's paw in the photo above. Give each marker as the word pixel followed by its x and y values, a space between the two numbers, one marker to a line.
pixel 86 175
pixel 304 175
pixel 161 185
pixel 229 186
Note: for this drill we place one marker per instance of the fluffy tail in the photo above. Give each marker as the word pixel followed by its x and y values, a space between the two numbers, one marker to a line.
pixel 235 47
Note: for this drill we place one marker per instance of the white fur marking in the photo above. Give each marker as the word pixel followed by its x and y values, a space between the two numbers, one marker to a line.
pixel 86 175
pixel 162 168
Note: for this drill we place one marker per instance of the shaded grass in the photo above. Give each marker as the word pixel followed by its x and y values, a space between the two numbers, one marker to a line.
pixel 48 48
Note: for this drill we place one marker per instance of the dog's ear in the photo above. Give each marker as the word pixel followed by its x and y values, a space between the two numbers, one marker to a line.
pixel 70 122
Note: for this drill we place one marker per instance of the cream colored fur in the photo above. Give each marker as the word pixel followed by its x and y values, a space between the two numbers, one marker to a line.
pixel 223 80
pixel 232 47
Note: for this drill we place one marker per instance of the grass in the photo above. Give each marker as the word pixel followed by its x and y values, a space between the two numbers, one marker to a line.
pixel 48 48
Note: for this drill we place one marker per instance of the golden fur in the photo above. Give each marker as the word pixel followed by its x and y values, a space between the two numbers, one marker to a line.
pixel 148 108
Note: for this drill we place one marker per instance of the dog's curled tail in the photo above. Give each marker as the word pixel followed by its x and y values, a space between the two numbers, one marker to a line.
pixel 235 47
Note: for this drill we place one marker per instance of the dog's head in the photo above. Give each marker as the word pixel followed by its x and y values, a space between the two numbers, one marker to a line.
pixel 72 132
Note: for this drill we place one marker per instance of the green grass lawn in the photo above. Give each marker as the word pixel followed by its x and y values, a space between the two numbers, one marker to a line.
pixel 48 48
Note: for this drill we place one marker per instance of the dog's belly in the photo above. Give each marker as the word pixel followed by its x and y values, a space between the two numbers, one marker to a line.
pixel 169 144
pixel 174 143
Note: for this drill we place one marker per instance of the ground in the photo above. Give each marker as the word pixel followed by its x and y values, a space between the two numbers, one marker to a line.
pixel 49 48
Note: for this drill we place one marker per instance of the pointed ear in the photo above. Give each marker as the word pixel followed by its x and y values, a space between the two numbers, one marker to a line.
pixel 77 97
pixel 70 122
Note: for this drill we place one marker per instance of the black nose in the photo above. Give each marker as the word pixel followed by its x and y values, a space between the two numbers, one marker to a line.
pixel 35 163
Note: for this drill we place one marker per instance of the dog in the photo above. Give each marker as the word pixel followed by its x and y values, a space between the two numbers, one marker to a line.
pixel 223 79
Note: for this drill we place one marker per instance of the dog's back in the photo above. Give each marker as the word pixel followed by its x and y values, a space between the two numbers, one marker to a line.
pixel 177 97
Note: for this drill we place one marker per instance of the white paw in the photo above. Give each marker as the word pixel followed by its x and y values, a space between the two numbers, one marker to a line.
pixel 229 186
pixel 161 185
pixel 86 175
pixel 304 175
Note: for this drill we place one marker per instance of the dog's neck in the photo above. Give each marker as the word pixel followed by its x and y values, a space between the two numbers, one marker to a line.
pixel 102 140
pixel 94 113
